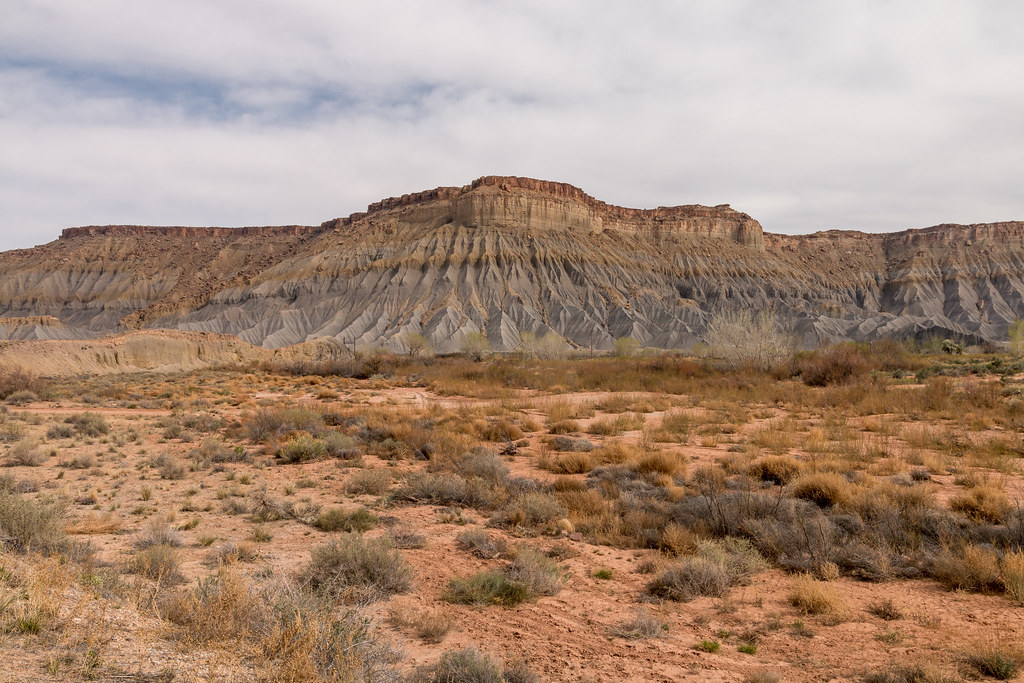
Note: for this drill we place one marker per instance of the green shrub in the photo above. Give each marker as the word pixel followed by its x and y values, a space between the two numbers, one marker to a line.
pixel 1001 661
pixel 303 448
pixel 487 588
pixel 339 519
pixel 538 573
pixel 463 666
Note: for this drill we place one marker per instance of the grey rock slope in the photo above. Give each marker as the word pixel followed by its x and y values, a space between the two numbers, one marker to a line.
pixel 504 256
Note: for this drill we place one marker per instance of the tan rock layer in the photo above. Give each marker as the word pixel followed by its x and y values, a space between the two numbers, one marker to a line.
pixel 504 256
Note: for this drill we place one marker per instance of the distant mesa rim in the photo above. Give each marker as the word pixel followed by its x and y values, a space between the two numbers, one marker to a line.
pixel 745 229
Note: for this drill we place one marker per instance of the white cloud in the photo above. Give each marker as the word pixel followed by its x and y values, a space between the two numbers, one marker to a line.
pixel 863 115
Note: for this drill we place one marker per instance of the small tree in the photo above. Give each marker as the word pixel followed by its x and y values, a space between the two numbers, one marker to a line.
pixel 552 347
pixel 742 336
pixel 475 345
pixel 417 344
pixel 1016 334
pixel 625 347
pixel 952 348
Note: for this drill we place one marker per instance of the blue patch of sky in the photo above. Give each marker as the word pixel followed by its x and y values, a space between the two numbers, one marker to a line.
pixel 205 98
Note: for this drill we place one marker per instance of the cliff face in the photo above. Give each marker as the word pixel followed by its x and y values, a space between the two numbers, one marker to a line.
pixel 509 255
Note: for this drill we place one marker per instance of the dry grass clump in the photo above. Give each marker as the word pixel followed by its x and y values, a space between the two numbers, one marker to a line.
pixel 824 489
pixel 690 578
pixel 269 423
pixel 32 595
pixel 836 364
pixel 1012 568
pixel 913 673
pixel 157 562
pixel 777 469
pixel 158 532
pixel 501 429
pixel 446 489
pixel 816 597
pixel 567 463
pixel 431 626
pixel 570 444
pixel 290 635
pixel 660 462
pixel 213 450
pixel 970 567
pixel 168 466
pixel 482 544
pixel 92 524
pixel 625 422
pixel 561 427
pixel 886 610
pixel 373 482
pixel 372 567
pixel 983 503
pixel 640 626
pixel 13 382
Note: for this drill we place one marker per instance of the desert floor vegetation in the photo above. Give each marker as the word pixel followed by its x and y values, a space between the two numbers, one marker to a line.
pixel 854 514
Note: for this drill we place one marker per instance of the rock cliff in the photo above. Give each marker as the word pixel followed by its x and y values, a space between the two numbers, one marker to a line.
pixel 506 255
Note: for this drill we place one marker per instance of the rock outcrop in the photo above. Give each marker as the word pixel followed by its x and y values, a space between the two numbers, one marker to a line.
pixel 152 351
pixel 506 255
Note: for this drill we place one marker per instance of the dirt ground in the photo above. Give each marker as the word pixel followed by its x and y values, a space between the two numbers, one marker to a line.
pixel 569 636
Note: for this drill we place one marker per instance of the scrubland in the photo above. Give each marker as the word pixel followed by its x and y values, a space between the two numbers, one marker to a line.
pixel 851 514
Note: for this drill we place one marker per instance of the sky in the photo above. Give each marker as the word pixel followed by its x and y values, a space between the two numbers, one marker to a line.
pixel 867 115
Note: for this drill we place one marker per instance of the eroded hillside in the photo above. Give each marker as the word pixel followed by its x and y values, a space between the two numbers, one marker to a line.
pixel 504 256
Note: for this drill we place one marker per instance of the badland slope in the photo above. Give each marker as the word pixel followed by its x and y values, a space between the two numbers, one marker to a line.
pixel 507 255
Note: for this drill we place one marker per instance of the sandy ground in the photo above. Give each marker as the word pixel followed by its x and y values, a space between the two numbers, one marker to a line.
pixel 566 637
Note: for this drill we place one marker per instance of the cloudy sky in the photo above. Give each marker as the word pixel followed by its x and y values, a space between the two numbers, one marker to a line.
pixel 807 115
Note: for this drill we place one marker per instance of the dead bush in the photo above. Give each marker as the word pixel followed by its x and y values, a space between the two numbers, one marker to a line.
pixel 971 568
pixel 371 566
pixel 27 524
pixel 531 512
pixel 985 503
pixel 836 364
pixel 25 454
pixel 372 482
pixel 158 562
pixel 816 597
pixel 689 578
pixel 89 424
